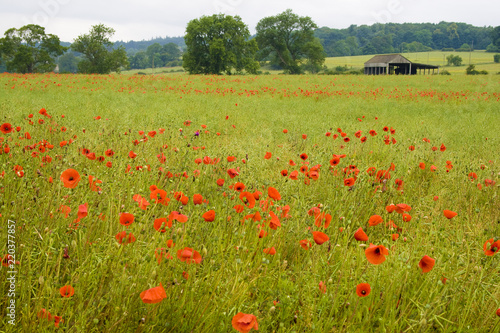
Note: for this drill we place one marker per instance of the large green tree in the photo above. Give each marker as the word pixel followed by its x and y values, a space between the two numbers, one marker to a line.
pixel 98 52
pixel 288 40
pixel 30 50
pixel 218 44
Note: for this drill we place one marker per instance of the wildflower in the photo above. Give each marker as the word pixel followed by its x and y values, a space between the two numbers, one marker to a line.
pixel 70 178
pixel 67 291
pixel 189 256
pixel 426 264
pixel 449 214
pixel 153 295
pixel 320 237
pixel 376 254
pixel 244 323
pixel 360 235
pixel 363 289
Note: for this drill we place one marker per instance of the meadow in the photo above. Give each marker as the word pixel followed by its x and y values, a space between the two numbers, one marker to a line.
pixel 177 203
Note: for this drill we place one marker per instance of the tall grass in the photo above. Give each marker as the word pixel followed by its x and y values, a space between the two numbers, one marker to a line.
pixel 281 290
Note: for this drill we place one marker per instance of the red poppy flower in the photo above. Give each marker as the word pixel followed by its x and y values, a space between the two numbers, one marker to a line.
pixel 376 254
pixel 304 156
pixel 449 214
pixel 394 237
pixel 232 173
pixel 153 295
pixel 349 181
pixel 491 247
pixel 360 235
pixel 374 220
pixel 189 256
pixel 426 264
pixel 244 323
pixel 126 219
pixel 306 245
pixel 83 211
pixel 422 165
pixel 6 128
pixel 220 182
pixel 109 153
pixel 285 131
pixel 304 136
pixel 270 251
pixel 322 287
pixel 284 173
pixel 209 216
pixel 197 199
pixel 248 199
pixel 320 237
pixel 231 158
pixel 67 291
pixel 161 224
pixel 268 155
pixel 334 161
pixel 70 178
pixel 363 289
pixel 123 238
pixel 294 175
pixel 274 194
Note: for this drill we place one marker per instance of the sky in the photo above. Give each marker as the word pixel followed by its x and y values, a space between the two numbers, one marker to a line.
pixel 147 19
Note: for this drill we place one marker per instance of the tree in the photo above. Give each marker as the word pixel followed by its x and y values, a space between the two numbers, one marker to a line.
pixel 495 38
pixel 218 44
pixel 100 57
pixel 30 50
pixel 454 60
pixel 68 63
pixel 288 40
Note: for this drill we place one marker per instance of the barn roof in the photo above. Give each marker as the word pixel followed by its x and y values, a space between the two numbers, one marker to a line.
pixel 385 59
pixel 388 59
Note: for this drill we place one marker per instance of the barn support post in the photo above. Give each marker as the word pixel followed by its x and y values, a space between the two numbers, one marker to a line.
pixel 410 69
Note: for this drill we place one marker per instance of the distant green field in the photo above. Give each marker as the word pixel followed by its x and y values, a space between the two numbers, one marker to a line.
pixel 483 61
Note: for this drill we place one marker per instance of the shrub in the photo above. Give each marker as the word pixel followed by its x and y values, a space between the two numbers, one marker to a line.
pixel 496 58
pixel 444 72
pixel 448 49
pixel 471 70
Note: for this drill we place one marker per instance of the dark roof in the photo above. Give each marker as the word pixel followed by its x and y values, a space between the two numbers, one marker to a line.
pixel 388 59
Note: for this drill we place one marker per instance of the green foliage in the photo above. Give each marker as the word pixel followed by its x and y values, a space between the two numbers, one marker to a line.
pixel 218 44
pixel 288 40
pixel 68 63
pixel 444 72
pixel 415 47
pixel 97 49
pixel 430 35
pixel 471 70
pixel 496 58
pixel 464 48
pixel 29 50
pixel 454 60
pixel 495 37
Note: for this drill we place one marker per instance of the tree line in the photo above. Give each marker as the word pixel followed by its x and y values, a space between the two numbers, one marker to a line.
pixel 221 43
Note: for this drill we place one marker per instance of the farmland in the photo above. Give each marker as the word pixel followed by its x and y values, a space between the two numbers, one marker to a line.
pixel 246 194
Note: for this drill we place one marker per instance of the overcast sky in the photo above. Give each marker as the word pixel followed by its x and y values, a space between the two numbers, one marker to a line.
pixel 146 19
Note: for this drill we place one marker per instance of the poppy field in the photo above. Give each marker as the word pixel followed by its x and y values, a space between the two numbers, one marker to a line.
pixel 177 203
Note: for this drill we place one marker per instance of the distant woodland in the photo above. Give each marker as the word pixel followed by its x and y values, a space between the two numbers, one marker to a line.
pixel 374 39
pixel 354 40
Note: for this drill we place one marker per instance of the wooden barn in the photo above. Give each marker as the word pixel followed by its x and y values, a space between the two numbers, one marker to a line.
pixel 396 64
